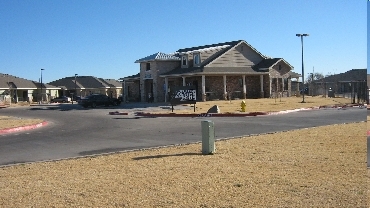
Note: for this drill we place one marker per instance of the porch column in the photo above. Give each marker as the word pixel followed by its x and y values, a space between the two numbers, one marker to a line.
pixel 261 81
pixel 244 88
pixel 270 87
pixel 125 92
pixel 166 88
pixel 298 88
pixel 225 92
pixel 282 90
pixel 183 81
pixel 203 88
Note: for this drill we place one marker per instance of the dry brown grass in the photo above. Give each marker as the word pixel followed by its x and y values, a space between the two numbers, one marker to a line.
pixel 315 167
pixel 11 122
pixel 263 105
pixel 318 167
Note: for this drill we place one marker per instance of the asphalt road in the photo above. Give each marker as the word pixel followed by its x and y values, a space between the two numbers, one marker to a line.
pixel 73 131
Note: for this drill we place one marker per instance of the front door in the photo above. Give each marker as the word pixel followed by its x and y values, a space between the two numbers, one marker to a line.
pixel 149 90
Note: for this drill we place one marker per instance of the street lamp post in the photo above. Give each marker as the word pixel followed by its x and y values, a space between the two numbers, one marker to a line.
pixel 75 89
pixel 302 35
pixel 41 84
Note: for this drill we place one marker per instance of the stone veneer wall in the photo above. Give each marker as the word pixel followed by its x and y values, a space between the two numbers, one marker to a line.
pixel 134 91
pixel 281 70
pixel 161 67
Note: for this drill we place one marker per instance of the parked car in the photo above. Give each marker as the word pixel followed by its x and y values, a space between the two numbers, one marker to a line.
pixel 97 100
pixel 61 99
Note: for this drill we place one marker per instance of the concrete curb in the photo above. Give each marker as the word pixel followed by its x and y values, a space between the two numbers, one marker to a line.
pixel 22 128
pixel 200 115
pixel 238 114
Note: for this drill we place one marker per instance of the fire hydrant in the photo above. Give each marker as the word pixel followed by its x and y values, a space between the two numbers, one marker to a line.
pixel 243 106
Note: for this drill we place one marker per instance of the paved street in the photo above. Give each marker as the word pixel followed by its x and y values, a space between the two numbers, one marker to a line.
pixel 73 131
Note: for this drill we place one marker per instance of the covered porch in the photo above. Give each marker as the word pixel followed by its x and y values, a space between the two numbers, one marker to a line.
pixel 221 86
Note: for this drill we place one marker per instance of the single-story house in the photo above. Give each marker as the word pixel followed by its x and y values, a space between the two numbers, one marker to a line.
pixel 86 85
pixel 228 70
pixel 350 84
pixel 16 89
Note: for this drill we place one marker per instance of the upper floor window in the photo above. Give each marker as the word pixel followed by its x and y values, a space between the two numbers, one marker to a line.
pixel 184 61
pixel 147 66
pixel 196 58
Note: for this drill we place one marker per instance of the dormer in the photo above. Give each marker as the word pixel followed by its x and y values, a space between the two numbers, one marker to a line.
pixel 196 59
pixel 184 61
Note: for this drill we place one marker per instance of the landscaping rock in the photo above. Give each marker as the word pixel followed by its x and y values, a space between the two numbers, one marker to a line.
pixel 214 109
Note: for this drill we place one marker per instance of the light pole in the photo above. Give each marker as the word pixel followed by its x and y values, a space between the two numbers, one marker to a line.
pixel 302 35
pixel 75 89
pixel 41 84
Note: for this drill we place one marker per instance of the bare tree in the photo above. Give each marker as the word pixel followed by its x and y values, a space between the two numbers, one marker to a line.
pixel 310 81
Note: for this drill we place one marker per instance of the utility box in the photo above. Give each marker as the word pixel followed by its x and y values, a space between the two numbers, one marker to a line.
pixel 208 137
pixel 331 93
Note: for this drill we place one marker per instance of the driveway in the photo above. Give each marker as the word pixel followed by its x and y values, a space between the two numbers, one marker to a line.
pixel 73 131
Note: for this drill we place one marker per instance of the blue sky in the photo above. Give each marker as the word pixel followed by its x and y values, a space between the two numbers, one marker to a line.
pixel 104 38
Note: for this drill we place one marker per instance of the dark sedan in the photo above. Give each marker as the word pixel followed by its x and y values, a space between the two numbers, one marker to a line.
pixel 98 100
pixel 61 99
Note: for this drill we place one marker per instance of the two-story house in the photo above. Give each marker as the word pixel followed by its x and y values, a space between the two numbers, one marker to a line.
pixel 219 71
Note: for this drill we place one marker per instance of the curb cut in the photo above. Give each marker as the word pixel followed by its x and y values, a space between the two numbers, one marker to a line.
pixel 22 128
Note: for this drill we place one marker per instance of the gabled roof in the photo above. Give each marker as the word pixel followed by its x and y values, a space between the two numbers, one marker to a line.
pixel 269 63
pixel 159 57
pixel 13 82
pixel 85 82
pixel 221 49
pixel 209 47
pixel 112 82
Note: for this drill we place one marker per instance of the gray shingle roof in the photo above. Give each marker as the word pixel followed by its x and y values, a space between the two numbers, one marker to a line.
pixel 351 75
pixel 111 82
pixel 266 63
pixel 136 76
pixel 85 82
pixel 269 62
pixel 223 48
pixel 15 82
pixel 159 56
pixel 225 44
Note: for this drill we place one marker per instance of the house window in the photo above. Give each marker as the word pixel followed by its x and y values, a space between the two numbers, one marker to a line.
pixel 196 58
pixel 147 66
pixel 184 61
pixel 279 67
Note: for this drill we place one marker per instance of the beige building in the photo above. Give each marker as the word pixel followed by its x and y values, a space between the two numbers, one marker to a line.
pixel 230 70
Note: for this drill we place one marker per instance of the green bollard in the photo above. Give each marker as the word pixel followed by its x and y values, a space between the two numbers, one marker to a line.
pixel 208 137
